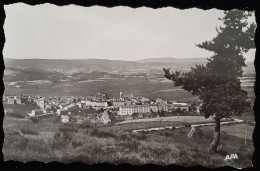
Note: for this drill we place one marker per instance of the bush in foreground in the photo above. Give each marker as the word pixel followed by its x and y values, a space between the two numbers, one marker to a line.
pixel 16 115
pixel 102 134
pixel 76 144
pixel 28 131
pixel 86 124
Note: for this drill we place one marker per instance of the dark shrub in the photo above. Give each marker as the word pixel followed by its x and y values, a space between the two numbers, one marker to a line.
pixel 64 137
pixel 94 132
pixel 66 129
pixel 28 131
pixel 56 136
pixel 86 132
pixel 76 144
pixel 187 125
pixel 9 140
pixel 57 119
pixel 102 134
pixel 245 152
pixel 97 150
pixel 72 119
pixel 58 144
pixel 106 134
pixel 41 147
pixel 67 136
pixel 183 154
pixel 131 145
pixel 60 141
pixel 124 137
pixel 35 120
pixel 167 134
pixel 86 124
pixel 23 143
pixel 16 115
pixel 142 137
pixel 139 136
pixel 251 124
pixel 68 124
pixel 13 133
pixel 133 136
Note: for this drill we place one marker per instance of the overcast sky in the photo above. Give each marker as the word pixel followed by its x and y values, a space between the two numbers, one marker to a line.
pixel 121 33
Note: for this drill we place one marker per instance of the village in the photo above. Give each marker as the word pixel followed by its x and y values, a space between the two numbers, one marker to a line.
pixel 99 108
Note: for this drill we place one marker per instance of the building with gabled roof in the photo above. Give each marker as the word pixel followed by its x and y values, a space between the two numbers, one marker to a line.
pixel 131 109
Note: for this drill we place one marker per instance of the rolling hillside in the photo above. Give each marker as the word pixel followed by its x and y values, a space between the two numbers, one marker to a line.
pixel 70 66
pixel 174 60
pixel 29 74
pixel 33 69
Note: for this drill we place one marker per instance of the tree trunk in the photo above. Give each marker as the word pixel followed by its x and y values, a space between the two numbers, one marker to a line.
pixel 214 144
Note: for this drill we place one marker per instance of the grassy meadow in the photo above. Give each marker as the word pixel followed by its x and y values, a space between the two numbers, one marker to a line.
pixel 48 141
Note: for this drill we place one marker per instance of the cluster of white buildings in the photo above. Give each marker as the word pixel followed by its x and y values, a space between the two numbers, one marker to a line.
pixel 95 104
pixel 70 105
pixel 152 108
pixel 131 109
pixel 24 100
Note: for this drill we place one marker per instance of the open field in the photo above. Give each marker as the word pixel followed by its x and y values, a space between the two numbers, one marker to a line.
pixel 172 121
pixel 238 130
pixel 21 109
pixel 139 87
pixel 140 125
pixel 247 82
pixel 190 119
pixel 247 116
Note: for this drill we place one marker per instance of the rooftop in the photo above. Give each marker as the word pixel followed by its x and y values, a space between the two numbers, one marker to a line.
pixel 134 106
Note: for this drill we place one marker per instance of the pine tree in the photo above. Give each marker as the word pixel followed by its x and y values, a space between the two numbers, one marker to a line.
pixel 217 83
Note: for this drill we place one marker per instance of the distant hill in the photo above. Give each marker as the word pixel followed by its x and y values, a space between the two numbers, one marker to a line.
pixel 29 74
pixel 70 66
pixel 173 60
pixel 66 66
pixel 31 69
pixel 179 64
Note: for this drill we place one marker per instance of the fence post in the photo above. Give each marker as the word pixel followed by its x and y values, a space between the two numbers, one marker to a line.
pixel 131 123
pixel 246 131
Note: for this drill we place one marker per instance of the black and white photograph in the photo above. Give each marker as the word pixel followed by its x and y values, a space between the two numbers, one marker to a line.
pixel 163 86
